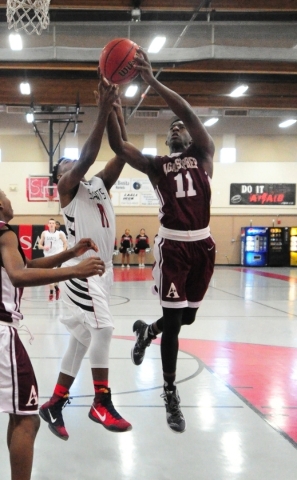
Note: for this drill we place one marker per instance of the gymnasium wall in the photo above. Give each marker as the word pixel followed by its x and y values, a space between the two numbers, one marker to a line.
pixel 259 160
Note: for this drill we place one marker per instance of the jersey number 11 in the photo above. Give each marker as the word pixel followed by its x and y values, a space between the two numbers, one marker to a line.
pixel 191 192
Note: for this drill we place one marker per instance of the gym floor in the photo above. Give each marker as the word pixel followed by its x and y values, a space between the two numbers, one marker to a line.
pixel 237 379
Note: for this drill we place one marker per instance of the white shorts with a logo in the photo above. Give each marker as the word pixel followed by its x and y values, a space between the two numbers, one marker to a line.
pixel 87 302
pixel 18 386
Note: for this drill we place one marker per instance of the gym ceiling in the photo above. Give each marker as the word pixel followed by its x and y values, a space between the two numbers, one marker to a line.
pixel 211 47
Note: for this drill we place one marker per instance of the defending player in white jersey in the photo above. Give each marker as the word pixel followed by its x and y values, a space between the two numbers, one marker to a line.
pixel 18 386
pixel 51 242
pixel 184 249
pixel 87 207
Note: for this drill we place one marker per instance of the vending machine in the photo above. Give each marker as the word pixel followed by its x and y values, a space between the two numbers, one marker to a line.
pixel 279 247
pixel 293 246
pixel 254 246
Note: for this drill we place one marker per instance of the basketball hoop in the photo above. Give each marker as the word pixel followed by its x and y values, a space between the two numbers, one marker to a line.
pixel 50 192
pixel 39 189
pixel 50 201
pixel 29 15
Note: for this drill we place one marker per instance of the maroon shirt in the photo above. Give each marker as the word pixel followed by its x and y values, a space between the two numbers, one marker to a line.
pixel 183 191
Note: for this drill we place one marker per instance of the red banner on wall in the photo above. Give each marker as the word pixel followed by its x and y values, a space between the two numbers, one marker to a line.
pixel 25 237
pixel 39 190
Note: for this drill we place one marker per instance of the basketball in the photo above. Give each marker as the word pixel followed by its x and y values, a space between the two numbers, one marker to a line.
pixel 117 59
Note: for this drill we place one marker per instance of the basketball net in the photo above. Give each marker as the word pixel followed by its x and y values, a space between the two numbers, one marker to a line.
pixel 29 15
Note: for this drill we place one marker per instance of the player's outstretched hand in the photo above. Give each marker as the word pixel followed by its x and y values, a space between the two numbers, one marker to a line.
pixel 83 246
pixel 107 94
pixel 143 65
pixel 90 267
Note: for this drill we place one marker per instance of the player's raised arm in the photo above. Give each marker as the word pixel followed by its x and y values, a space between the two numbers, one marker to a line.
pixel 114 167
pixel 71 177
pixel 126 151
pixel 179 106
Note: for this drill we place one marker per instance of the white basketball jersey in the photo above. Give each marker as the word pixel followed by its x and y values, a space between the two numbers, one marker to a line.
pixel 52 240
pixel 90 215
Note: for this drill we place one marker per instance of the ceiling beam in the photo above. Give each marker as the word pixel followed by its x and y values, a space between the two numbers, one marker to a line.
pixel 249 103
pixel 253 5
pixel 174 6
pixel 219 88
pixel 183 5
pixel 236 66
pixel 48 91
pixel 202 66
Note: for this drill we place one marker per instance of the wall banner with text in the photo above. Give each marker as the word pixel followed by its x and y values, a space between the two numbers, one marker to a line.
pixel 262 194
pixel 133 192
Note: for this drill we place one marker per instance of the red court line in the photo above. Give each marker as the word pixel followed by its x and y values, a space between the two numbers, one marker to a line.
pixel 135 274
pixel 276 276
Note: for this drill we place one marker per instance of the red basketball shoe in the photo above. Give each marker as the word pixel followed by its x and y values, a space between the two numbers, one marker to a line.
pixel 51 412
pixel 102 411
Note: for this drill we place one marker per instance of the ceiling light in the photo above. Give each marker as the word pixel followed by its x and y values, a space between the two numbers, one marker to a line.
pixel 156 44
pixel 25 88
pixel 211 121
pixel 149 151
pixel 228 155
pixel 239 91
pixel 15 41
pixel 287 123
pixel 30 117
pixel 131 90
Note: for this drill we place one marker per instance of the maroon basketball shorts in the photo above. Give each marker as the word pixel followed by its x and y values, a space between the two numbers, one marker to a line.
pixel 182 271
pixel 18 386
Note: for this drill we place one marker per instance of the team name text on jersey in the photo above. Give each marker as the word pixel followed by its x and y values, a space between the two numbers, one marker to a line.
pixel 178 163
pixel 97 194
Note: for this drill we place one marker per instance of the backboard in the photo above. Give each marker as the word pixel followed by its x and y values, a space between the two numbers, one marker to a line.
pixel 39 190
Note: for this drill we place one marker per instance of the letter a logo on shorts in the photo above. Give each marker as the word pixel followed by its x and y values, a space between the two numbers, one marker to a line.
pixel 33 399
pixel 172 292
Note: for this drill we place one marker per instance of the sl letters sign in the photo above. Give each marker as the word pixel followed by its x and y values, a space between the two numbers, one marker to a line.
pixel 262 193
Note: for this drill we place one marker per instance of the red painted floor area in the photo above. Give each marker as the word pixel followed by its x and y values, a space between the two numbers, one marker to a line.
pixel 132 274
pixel 264 377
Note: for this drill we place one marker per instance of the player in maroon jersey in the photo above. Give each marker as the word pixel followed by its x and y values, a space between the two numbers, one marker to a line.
pixel 184 249
pixel 19 391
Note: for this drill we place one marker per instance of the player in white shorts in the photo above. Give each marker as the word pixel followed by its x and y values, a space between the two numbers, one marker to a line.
pixel 51 242
pixel 18 386
pixel 87 207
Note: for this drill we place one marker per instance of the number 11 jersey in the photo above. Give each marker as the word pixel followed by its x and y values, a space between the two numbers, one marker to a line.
pixel 183 191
